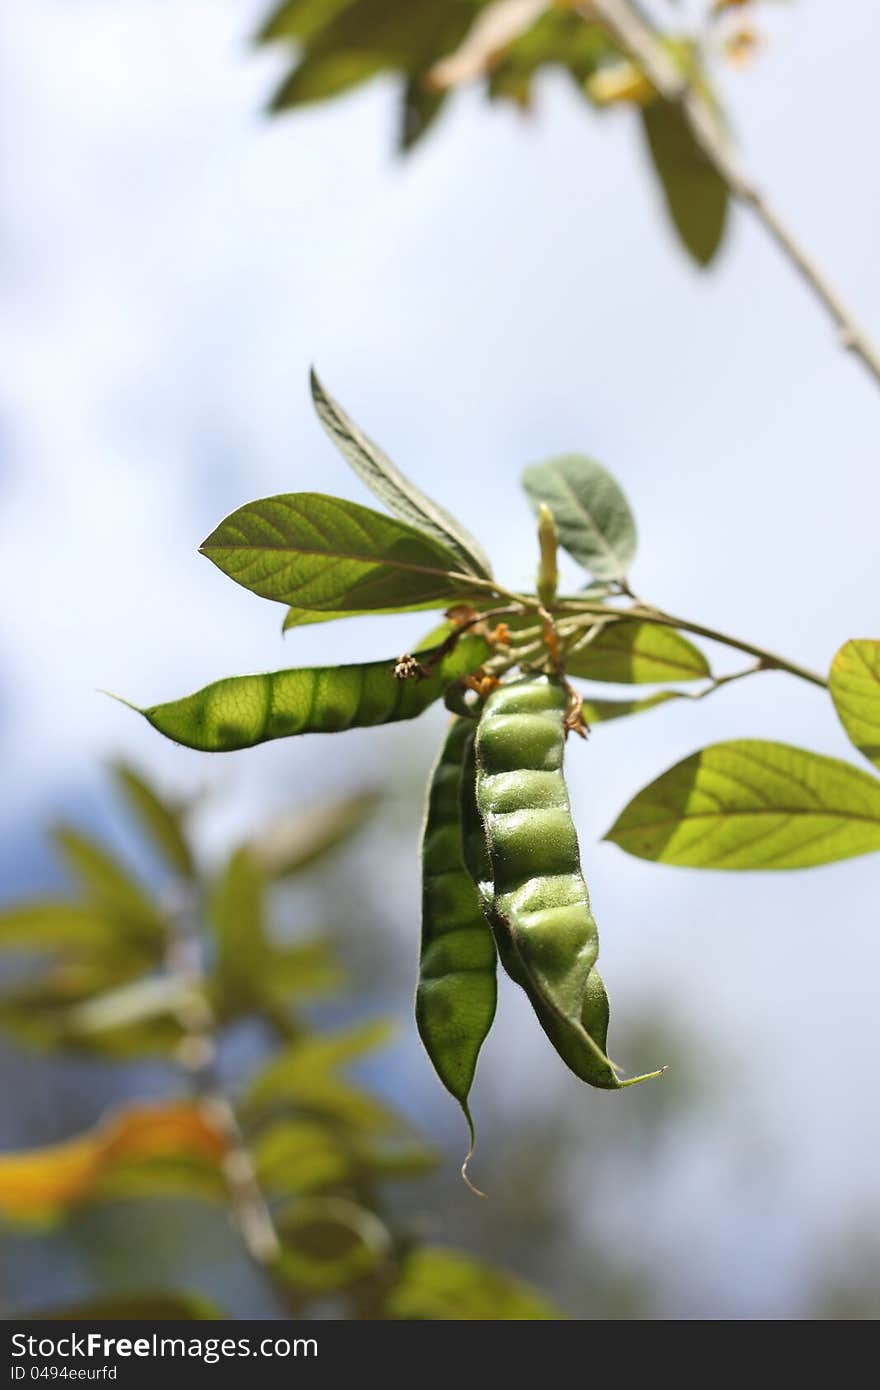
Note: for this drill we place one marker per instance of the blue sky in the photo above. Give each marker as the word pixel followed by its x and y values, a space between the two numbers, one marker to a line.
pixel 172 265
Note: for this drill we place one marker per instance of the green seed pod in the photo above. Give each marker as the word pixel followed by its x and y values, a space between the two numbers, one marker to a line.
pixel 455 999
pixel 531 877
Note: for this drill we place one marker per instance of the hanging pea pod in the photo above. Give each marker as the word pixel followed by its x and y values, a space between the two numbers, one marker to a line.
pixel 455 999
pixel 529 873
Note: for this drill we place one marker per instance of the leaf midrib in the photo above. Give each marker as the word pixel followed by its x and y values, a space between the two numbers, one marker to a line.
pixel 331 555
pixel 611 553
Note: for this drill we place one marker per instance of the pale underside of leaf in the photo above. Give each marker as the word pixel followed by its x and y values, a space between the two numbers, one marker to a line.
pixel 392 487
pixel 592 514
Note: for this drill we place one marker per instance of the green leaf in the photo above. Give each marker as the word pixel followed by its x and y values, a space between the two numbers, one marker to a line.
pixel 420 106
pixel 138 1307
pixel 439 1284
pixel 748 804
pixel 319 1054
pixel 306 617
pixel 600 711
pixel 696 196
pixel 110 885
pixel 294 1156
pixel 595 523
pixel 323 75
pixel 303 1076
pixel 237 913
pixel 324 553
pixel 252 972
pixel 393 488
pixel 355 41
pixel 328 1243
pixel 394 1155
pixel 300 19
pixel 300 971
pixel 162 821
pixel 53 1011
pixel 139 1016
pixel 300 841
pixel 637 653
pixel 65 928
pixel 245 710
pixel 854 684
pixel 162 1177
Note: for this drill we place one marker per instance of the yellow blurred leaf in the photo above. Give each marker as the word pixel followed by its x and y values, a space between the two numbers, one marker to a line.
pixel 38 1183
pixel 619 82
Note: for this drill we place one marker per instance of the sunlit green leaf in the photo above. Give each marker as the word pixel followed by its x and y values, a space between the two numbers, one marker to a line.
pixel 595 523
pixel 392 487
pixel 162 821
pixel 300 841
pixel 638 653
pixel 437 1283
pixel 312 551
pixel 748 804
pixel 695 193
pixel 854 684
pixel 245 710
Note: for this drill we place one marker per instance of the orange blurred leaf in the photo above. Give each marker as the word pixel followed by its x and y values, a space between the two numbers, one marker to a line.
pixel 39 1183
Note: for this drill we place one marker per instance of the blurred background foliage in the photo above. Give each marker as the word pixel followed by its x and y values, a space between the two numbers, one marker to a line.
pixel 244 1168
pixel 440 46
pixel 300 1153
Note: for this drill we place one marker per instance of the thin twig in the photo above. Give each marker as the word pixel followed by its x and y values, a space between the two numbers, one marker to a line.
pixel 642 612
pixel 198 1057
pixel 769 661
pixel 636 37
pixel 718 681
